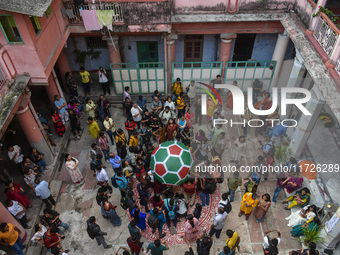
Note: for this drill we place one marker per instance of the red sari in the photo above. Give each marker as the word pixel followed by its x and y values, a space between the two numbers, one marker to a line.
pixel 230 100
pixel 16 196
pixel 58 125
pixel 170 131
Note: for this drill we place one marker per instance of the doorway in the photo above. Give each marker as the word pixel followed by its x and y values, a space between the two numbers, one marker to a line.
pixel 244 47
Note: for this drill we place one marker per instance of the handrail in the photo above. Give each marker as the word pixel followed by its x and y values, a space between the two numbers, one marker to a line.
pixel 312 3
pixel 330 23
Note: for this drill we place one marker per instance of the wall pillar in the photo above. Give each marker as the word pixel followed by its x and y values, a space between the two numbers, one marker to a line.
pixel 113 48
pixel 7 217
pixel 295 78
pixel 279 55
pixel 331 63
pixel 52 89
pixel 32 130
pixel 225 50
pixel 306 123
pixel 313 20
pixel 63 66
pixel 171 53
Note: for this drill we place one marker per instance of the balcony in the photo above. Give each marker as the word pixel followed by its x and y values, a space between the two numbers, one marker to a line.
pixel 77 20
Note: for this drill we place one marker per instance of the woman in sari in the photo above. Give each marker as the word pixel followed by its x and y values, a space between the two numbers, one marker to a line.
pixel 72 168
pixel 57 122
pixel 262 207
pixel 139 217
pixel 249 201
pixel 15 192
pixel 294 183
pixel 230 97
pixel 306 214
pixel 211 107
pixel 301 197
pixel 109 212
pixel 171 129
pixel 191 228
pixel 160 134
pixel 313 224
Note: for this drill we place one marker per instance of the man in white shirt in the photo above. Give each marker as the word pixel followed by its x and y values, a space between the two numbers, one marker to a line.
pixel 136 113
pixel 166 114
pixel 219 222
pixel 18 211
pixel 191 89
pixel 271 243
pixel 14 154
pixel 103 80
pixel 102 179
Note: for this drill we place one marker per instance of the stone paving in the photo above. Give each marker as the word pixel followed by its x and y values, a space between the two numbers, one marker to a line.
pixel 77 202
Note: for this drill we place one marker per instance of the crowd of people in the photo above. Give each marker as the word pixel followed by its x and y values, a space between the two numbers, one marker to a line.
pixel 164 119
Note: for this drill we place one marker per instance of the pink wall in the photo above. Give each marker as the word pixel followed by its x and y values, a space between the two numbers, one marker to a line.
pixel 39 53
pixel 195 3
pixel 200 6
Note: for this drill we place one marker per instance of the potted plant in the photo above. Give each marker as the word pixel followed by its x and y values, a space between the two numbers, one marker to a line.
pixel 282 153
pixel 311 235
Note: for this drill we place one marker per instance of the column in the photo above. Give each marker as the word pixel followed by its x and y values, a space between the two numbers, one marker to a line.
pixel 313 20
pixel 171 54
pixel 225 50
pixel 331 63
pixel 63 66
pixel 306 123
pixel 113 48
pixel 7 217
pixel 52 89
pixel 33 132
pixel 279 55
pixel 296 77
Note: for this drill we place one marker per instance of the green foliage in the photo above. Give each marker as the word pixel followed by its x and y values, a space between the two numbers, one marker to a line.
pixel 329 13
pixel 81 55
pixel 282 152
pixel 311 235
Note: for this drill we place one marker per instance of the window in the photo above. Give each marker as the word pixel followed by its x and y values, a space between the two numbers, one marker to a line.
pixel 96 42
pixel 193 48
pixel 147 52
pixel 10 29
pixel 36 24
pixel 48 12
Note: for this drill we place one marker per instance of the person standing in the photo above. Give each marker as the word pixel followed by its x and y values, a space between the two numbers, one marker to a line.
pixel 91 108
pixel 121 182
pixel 157 247
pixel 42 190
pixel 262 207
pixel 57 122
pixel 103 143
pixel 15 155
pixel 85 80
pixel 270 244
pixel 134 230
pixel 234 181
pixel 249 201
pixel 105 105
pixel 230 96
pixel 126 93
pixel 136 113
pixel 180 105
pixel 93 127
pixel 189 188
pixel 239 149
pixel 108 211
pixel 121 143
pixel 208 187
pixel 103 80
pixel 233 240
pixel 216 131
pixel 257 86
pixel 219 222
pixel 135 245
pixel 204 244
pixel 18 211
pixel 94 232
pixel 191 228
pixel 75 124
pixel 51 219
pixel 60 104
pixel 10 236
pixel 115 161
pixel 109 125
pixel 177 88
pixel 103 179
pixel 72 168
pixel 221 144
pixel 71 84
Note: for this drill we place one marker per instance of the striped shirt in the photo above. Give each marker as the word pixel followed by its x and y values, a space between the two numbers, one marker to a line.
pixel 103 143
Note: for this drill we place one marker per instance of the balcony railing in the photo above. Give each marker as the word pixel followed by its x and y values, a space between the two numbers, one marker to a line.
pixel 326 33
pixel 337 67
pixel 115 7
pixel 3 78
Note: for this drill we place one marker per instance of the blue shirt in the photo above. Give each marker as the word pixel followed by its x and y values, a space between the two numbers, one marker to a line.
pixel 156 104
pixel 121 182
pixel 267 146
pixel 114 162
pixel 42 190
pixel 60 103
pixel 142 103
pixel 279 130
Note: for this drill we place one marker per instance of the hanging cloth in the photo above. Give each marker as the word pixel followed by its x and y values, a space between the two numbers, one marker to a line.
pixel 105 18
pixel 90 20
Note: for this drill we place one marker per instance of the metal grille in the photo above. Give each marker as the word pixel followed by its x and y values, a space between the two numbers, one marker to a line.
pixel 325 35
pixel 337 67
pixel 3 78
pixel 116 7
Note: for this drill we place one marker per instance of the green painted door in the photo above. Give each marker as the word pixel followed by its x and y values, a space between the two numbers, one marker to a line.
pixel 147 52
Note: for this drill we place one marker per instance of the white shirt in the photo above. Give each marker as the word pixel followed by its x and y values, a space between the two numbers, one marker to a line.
pixel 134 111
pixel 39 234
pixel 102 176
pixel 182 207
pixel 102 76
pixel 219 220
pixel 266 243
pixel 15 209
pixel 222 203
pixel 192 91
pixel 107 124
pixel 171 105
pixel 18 159
pixel 164 116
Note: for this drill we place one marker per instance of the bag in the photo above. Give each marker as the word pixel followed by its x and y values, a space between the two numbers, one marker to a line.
pixel 212 188
pixel 227 207
pixel 271 250
pixel 123 202
pixel 37 180
pixel 114 180
pixel 89 232
pixel 171 213
pixel 153 222
pixel 46 237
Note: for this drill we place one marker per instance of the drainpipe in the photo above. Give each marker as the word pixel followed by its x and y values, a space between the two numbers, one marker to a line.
pixel 166 65
pixel 235 8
